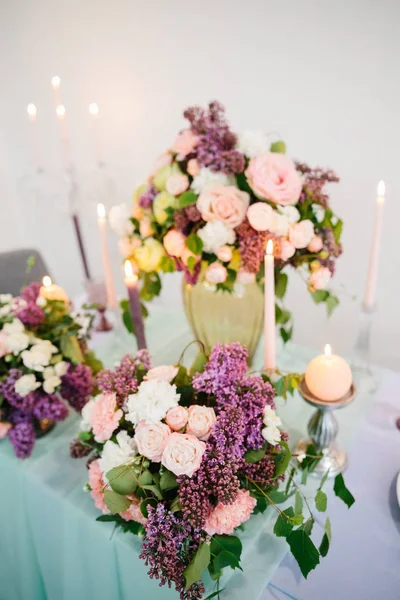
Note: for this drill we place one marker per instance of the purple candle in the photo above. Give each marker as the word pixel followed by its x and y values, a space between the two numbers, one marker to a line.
pixel 131 282
pixel 79 239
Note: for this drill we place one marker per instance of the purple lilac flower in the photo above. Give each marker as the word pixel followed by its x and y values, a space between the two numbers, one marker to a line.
pixel 77 385
pixel 314 182
pixel 22 436
pixel 262 472
pixel 190 277
pixel 48 406
pixel 168 547
pixel 192 213
pixel 252 246
pixel 31 315
pixel 330 243
pixel 254 394
pixel 78 449
pixel 146 199
pixel 7 390
pixel 123 380
pixel 16 416
pixel 30 293
pixel 216 146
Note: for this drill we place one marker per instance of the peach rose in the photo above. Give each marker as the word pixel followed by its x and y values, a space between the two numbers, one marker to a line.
pixel 193 167
pixel 245 277
pixel 104 417
pixel 316 244
pixel 162 373
pixel 3 344
pixel 133 513
pixel 286 249
pixel 183 454
pixel 177 417
pixel 224 254
pixel 301 234
pixel 97 484
pixel 273 176
pixel 185 143
pixel 225 203
pixel 200 422
pixel 151 439
pixel 176 184
pixel 226 517
pixel 261 216
pixel 145 228
pixel 163 160
pixel 319 279
pixel 5 427
pixel 216 273
pixel 174 242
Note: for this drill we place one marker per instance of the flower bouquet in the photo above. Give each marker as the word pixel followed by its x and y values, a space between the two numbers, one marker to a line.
pixel 211 203
pixel 185 457
pixel 44 360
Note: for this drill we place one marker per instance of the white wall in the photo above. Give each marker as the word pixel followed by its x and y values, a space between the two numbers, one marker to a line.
pixel 323 74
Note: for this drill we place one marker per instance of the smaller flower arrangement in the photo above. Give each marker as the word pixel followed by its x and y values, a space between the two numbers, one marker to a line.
pixel 44 361
pixel 183 458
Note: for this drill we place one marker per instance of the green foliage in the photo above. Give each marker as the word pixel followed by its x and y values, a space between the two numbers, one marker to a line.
pixel 342 492
pixel 126 526
pixel 286 334
pixel 287 384
pixel 279 147
pixel 30 263
pixel 71 349
pixel 94 363
pixel 151 286
pixel 303 550
pixel 214 594
pixel 175 505
pixel 85 436
pixel 197 565
pixel 326 540
pixel 320 296
pixel 298 504
pixel 199 363
pixel 115 502
pixel 168 481
pixel 281 281
pixel 242 183
pixel 282 316
pixel 283 525
pixel 194 243
pixel 278 497
pixel 309 462
pixel 282 459
pixel 321 501
pixel 167 264
pixel 145 503
pixel 226 551
pixel 253 456
pixel 331 303
pixel 187 199
pixel 123 480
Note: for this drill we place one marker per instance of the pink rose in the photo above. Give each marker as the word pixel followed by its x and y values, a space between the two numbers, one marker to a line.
pixel 162 373
pixel 245 277
pixel 225 203
pixel 104 417
pixel 183 454
pixel 301 234
pixel 200 422
pixel 224 254
pixel 261 216
pixel 3 344
pixel 193 167
pixel 97 484
pixel 319 279
pixel 174 242
pixel 273 176
pixel 316 244
pixel 145 227
pixel 176 184
pixel 177 417
pixel 226 517
pixel 133 513
pixel 151 439
pixel 286 249
pixel 5 427
pixel 163 160
pixel 185 143
pixel 216 273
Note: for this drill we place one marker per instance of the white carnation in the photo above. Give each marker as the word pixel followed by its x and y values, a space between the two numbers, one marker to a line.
pixel 290 212
pixel 119 219
pixel 86 415
pixel 206 177
pixel 214 235
pixel 116 454
pixel 51 383
pixel 253 143
pixel 152 401
pixel 26 384
pixel 271 434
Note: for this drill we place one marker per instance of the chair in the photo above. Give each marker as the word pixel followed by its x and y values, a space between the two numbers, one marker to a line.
pixel 13 270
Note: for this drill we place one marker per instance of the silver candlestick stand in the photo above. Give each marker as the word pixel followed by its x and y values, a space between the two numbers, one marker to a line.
pixel 322 430
pixel 366 378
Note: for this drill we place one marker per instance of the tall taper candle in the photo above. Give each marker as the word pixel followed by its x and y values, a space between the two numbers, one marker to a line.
pixel 370 287
pixel 108 276
pixel 269 309
pixel 55 84
pixel 60 111
pixel 94 112
pixel 31 110
pixel 131 282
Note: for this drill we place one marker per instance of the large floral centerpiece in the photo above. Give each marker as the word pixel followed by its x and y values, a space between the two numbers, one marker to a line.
pixel 44 361
pixel 212 201
pixel 185 457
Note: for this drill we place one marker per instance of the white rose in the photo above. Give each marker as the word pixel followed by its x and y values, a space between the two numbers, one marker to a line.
pixel 270 417
pixel 45 346
pixel 291 213
pixel 50 384
pixel 61 368
pixel 26 384
pixel 280 225
pixel 319 279
pixel 200 421
pixel 319 212
pixel 36 358
pixel 151 439
pixel 119 219
pixel 162 373
pixel 286 250
pixel 214 235
pixel 301 234
pixel 152 401
pixel 183 454
pixel 16 326
pixel 116 454
pixel 271 434
pixel 16 342
pixel 86 414
pixel 253 143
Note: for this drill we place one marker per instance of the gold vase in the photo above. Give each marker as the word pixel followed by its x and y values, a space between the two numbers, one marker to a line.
pixel 225 317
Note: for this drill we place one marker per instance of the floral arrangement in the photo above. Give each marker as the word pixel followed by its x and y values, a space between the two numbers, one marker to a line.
pixel 213 200
pixel 185 457
pixel 44 361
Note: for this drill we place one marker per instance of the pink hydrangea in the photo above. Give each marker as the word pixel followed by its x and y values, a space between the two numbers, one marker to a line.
pixel 226 517
pixel 104 419
pixel 133 513
pixel 97 484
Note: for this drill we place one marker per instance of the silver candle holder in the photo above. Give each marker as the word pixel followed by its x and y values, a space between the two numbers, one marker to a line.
pixel 322 430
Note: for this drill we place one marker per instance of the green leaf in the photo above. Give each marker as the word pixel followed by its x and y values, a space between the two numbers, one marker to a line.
pixel 175 505
pixel 320 296
pixel 145 503
pixel 283 526
pixel 151 286
pixel 308 525
pixel 323 480
pixel 337 230
pixel 191 263
pixel 94 363
pixel 281 285
pixel 194 243
pixel 228 543
pixel 167 264
pixel 168 481
pixel 187 199
pixel 331 303
pixel 226 559
pixel 279 147
pixel 304 476
pixel 253 456
pixel 243 184
pixel 126 315
pixel 145 478
pixel 282 460
pixel 261 506
pixel 71 349
pixel 154 489
pixel 199 363
pixel 303 550
pixel 123 480
pixel 85 436
pixel 278 497
pixel 286 334
pixel 197 565
pixel 342 492
pixel 115 502
pixel 326 540
pixel 321 501
pixel 298 504
pixel 214 594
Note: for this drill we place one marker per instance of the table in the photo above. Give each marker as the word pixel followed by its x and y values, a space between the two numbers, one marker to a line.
pixel 52 548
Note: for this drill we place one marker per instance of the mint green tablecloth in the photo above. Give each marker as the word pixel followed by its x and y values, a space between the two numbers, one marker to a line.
pixel 52 548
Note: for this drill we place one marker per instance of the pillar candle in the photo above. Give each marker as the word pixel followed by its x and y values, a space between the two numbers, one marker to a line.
pixel 131 283
pixel 31 110
pixel 108 276
pixel 94 112
pixel 269 309
pixel 328 376
pixel 52 291
pixel 370 287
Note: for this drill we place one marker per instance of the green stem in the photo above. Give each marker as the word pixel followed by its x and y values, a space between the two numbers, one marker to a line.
pixel 269 499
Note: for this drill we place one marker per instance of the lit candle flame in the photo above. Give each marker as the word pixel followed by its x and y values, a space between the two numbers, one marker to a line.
pixel 129 274
pixel 270 247
pixel 94 109
pixel 60 110
pixel 328 350
pixel 31 110
pixel 381 191
pixel 101 212
pixel 46 281
pixel 55 82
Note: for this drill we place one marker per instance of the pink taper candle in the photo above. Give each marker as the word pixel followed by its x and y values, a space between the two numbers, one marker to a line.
pixel 94 112
pixel 108 276
pixel 31 110
pixel 269 309
pixel 131 282
pixel 370 288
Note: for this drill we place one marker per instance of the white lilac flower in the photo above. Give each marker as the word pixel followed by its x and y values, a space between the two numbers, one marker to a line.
pixel 207 177
pixel 214 235
pixel 271 434
pixel 16 326
pixel 38 357
pixel 51 383
pixel 319 212
pixel 48 372
pixel 290 212
pixel 5 298
pixel 86 415
pixel 5 310
pixel 17 342
pixel 152 401
pixel 61 368
pixel 26 384
pixel 116 454
pixel 84 321
pixel 119 219
pixel 270 417
pixel 252 143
